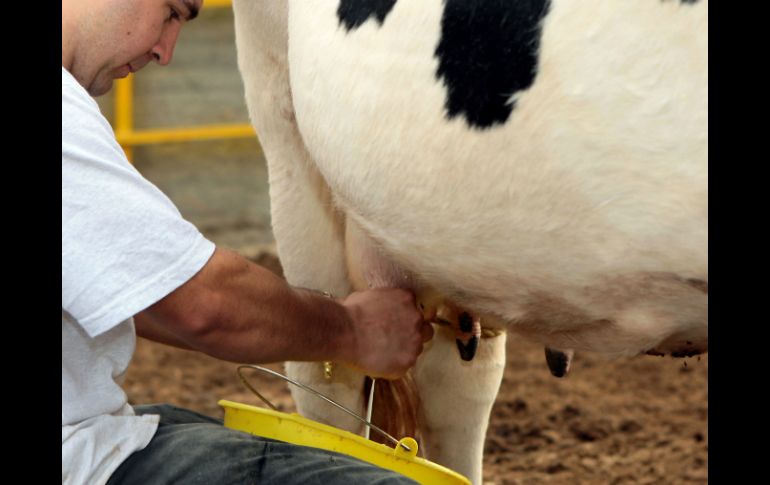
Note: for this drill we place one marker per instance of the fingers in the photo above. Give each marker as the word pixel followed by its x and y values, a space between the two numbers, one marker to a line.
pixel 429 313
pixel 392 328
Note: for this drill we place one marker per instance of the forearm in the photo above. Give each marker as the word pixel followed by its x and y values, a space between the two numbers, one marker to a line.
pixel 265 320
pixel 238 311
pixel 148 328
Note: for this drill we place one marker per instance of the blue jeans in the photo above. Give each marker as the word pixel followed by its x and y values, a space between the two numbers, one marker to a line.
pixel 190 448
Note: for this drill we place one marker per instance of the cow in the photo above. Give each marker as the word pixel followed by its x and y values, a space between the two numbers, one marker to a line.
pixel 537 168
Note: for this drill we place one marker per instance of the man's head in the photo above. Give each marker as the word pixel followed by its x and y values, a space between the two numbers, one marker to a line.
pixel 107 39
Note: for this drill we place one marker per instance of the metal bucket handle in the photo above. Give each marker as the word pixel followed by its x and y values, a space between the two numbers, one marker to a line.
pixel 313 391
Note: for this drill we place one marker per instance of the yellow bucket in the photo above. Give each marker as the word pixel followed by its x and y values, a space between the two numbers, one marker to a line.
pixel 296 429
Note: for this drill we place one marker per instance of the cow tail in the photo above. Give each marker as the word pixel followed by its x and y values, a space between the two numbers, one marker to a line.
pixel 396 405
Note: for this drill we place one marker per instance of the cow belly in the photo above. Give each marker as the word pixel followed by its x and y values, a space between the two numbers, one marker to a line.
pixel 587 208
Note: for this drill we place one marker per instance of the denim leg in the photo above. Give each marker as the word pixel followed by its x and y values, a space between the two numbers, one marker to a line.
pixel 191 448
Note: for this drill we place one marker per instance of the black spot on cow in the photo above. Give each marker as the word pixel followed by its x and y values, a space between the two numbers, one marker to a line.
pixel 468 351
pixel 557 362
pixel 353 13
pixel 466 322
pixel 488 51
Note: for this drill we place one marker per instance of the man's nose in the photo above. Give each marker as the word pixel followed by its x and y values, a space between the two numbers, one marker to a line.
pixel 163 51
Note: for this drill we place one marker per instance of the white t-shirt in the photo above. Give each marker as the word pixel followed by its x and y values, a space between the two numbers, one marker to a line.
pixel 124 247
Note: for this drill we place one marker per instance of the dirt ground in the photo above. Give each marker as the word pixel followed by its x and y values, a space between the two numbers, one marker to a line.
pixel 641 420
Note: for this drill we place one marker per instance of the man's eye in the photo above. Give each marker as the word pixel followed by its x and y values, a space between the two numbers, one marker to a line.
pixel 174 15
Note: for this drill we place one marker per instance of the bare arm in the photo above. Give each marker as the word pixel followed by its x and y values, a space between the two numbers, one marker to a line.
pixel 150 329
pixel 236 310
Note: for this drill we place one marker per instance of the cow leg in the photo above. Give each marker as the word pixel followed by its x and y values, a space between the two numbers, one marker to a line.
pixel 345 387
pixel 457 398
pixel 309 232
pixel 366 268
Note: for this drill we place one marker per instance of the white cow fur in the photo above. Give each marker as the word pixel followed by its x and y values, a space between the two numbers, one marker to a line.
pixel 576 223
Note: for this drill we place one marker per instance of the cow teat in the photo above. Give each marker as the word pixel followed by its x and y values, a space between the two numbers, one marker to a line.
pixel 466 327
pixel 558 361
pixel 468 333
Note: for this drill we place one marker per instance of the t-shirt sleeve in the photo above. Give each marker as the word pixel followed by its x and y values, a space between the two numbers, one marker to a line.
pixel 124 243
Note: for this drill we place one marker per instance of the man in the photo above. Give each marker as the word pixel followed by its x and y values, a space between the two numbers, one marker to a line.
pixel 132 265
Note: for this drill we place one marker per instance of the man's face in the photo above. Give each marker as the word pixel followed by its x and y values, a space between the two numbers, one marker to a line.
pixel 122 36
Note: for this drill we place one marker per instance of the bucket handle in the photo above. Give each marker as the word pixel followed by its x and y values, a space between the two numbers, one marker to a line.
pixel 313 391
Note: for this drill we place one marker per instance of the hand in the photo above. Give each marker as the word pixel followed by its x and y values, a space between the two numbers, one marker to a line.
pixel 389 331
